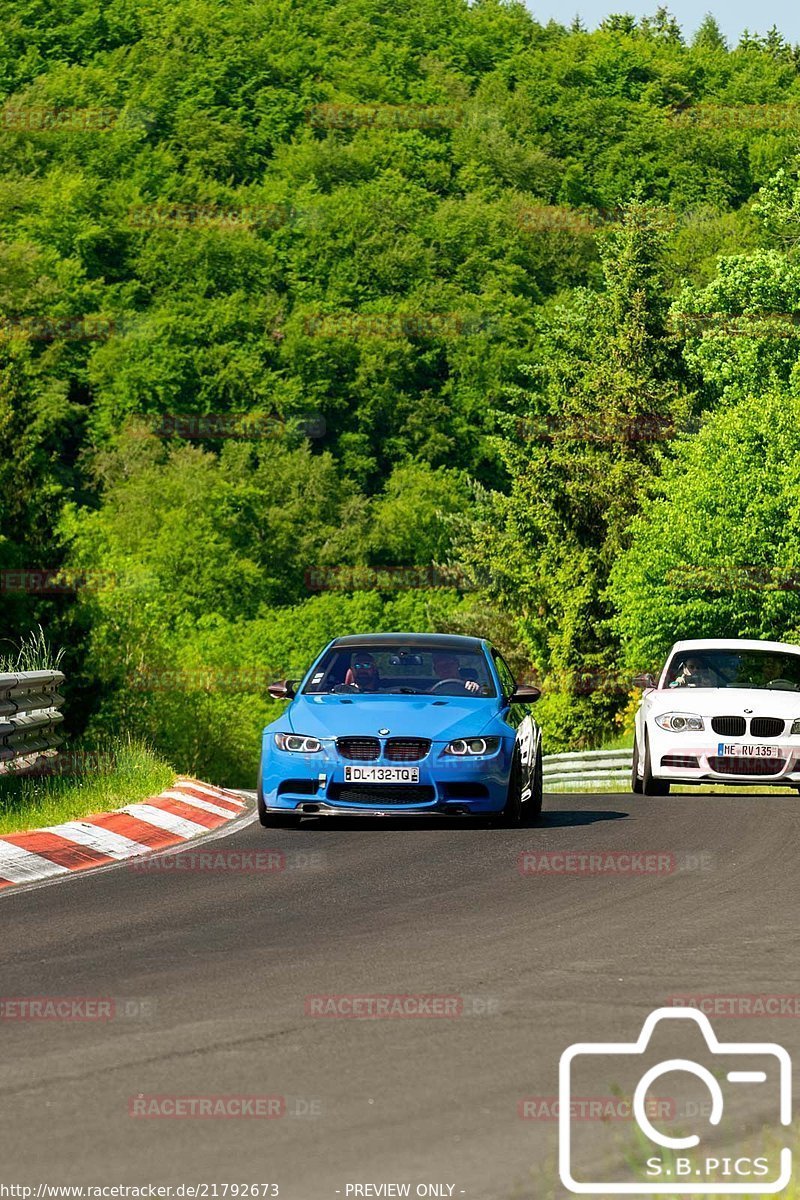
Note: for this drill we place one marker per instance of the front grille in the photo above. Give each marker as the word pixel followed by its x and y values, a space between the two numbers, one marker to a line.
pixel 363 749
pixel 407 749
pixel 381 794
pixel 766 727
pixel 729 726
pixel 679 760
pixel 747 766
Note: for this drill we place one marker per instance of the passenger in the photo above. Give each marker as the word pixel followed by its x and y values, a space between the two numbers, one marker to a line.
pixel 445 666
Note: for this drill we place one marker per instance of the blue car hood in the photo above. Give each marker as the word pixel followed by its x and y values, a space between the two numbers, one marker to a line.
pixel 437 717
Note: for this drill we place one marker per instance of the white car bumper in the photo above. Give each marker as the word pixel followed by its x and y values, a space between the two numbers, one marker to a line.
pixel 705 756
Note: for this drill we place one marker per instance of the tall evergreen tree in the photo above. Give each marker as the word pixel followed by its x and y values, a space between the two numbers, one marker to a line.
pixel 607 389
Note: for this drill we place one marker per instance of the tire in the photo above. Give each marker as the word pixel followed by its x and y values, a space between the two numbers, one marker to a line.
pixel 271 820
pixel 511 814
pixel 651 786
pixel 636 783
pixel 533 808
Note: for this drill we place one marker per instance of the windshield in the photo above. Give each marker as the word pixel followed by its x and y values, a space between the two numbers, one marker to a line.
pixel 735 669
pixel 401 670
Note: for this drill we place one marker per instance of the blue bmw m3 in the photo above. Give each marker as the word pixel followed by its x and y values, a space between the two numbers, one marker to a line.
pixel 403 724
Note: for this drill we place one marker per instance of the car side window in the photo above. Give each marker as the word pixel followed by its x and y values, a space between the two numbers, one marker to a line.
pixel 507 680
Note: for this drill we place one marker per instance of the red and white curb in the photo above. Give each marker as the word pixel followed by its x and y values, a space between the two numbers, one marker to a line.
pixel 188 810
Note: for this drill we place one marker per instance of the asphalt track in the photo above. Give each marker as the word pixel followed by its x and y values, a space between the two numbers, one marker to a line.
pixel 215 967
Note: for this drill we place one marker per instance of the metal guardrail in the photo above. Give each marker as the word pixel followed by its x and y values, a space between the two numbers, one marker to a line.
pixel 590 767
pixel 29 716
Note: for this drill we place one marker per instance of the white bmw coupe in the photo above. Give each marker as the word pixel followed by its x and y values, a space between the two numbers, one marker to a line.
pixel 722 711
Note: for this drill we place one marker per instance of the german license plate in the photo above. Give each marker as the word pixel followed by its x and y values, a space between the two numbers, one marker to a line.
pixel 381 774
pixel 740 750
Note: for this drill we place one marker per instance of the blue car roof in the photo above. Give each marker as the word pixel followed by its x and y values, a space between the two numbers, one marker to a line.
pixel 452 641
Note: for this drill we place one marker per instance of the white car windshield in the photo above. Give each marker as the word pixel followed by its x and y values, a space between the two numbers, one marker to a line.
pixel 768 669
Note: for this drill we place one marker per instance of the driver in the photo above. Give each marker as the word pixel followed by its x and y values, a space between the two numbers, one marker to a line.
pixel 694 673
pixel 363 672
pixel 445 666
pixel 772 670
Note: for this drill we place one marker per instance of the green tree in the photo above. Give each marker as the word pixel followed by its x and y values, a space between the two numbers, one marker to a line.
pixel 716 550
pixel 581 447
pixel 709 36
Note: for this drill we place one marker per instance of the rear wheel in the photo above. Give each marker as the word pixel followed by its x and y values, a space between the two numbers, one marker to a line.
pixel 651 786
pixel 636 783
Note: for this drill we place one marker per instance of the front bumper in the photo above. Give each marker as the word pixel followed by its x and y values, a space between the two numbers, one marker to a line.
pixel 315 808
pixel 315 783
pixel 707 757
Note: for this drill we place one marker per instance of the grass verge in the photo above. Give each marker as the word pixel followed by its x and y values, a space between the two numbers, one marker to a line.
pixel 92 781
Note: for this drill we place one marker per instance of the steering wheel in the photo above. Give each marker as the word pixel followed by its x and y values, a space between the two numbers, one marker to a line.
pixel 785 685
pixel 444 682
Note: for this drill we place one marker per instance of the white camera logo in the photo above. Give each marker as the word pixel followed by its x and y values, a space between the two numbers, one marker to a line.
pixel 742 1050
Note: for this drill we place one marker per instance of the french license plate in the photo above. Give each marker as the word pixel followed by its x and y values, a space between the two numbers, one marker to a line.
pixel 738 750
pixel 381 774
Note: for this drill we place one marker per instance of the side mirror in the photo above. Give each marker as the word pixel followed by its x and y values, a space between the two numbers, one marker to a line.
pixel 282 691
pixel 524 694
pixel 644 681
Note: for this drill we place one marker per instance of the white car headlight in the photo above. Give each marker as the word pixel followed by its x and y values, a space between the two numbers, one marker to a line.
pixel 795 726
pixel 678 722
pixel 465 746
pixel 297 743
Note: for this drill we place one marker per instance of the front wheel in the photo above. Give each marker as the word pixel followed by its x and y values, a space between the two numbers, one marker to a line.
pixel 636 783
pixel 273 820
pixel 651 786
pixel 512 813
pixel 534 805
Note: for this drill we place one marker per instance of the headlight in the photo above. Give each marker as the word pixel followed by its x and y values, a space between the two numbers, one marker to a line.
pixel 297 743
pixel 466 746
pixel 680 722
pixel 795 726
